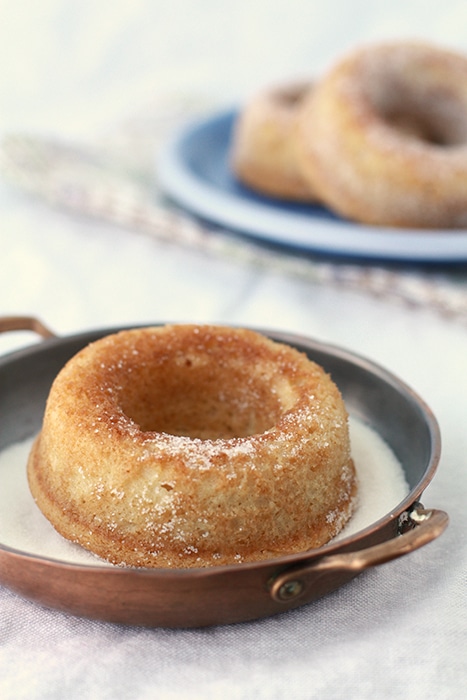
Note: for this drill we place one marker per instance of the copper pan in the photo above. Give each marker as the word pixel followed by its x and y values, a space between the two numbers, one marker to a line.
pixel 228 594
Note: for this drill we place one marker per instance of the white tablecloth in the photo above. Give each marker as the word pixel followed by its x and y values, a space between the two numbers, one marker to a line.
pixel 80 72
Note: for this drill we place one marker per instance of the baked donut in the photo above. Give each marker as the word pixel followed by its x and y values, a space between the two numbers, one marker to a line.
pixel 188 445
pixel 383 136
pixel 263 144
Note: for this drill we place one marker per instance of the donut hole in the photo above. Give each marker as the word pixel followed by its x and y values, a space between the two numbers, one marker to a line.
pixel 417 126
pixel 292 95
pixel 428 126
pixel 427 113
pixel 205 400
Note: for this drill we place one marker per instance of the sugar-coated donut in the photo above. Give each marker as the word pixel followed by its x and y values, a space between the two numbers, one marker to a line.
pixel 384 136
pixel 263 144
pixel 192 445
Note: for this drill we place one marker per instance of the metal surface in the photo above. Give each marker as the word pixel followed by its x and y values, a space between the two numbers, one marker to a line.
pixel 219 595
pixel 295 581
pixel 25 323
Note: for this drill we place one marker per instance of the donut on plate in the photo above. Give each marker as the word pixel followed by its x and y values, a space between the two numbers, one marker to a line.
pixel 188 445
pixel 264 141
pixel 383 136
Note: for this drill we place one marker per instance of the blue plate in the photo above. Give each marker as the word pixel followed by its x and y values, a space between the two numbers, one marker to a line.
pixel 193 170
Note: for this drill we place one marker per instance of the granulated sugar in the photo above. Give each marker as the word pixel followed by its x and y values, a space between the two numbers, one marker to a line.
pixel 381 479
pixel 382 486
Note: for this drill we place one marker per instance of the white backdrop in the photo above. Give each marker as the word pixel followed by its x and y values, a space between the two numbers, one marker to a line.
pixel 73 65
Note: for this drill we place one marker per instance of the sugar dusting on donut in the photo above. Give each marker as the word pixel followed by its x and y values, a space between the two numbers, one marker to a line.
pixel 384 136
pixel 193 446
pixel 381 486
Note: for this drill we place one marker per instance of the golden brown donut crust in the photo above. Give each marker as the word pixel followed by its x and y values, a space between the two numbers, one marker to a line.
pixel 191 445
pixel 264 141
pixel 384 136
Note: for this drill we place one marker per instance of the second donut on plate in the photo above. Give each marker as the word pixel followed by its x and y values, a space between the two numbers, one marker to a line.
pixel 263 152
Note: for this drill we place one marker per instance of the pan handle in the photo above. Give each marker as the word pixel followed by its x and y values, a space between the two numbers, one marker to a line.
pixel 25 323
pixel 293 583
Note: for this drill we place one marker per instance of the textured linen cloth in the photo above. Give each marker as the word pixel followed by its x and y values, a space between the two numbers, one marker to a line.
pixel 77 72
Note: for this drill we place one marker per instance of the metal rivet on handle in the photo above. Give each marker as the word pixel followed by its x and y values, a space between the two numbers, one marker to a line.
pixel 290 589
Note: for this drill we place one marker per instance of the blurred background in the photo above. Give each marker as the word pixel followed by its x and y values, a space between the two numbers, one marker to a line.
pixel 115 78
pixel 75 66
